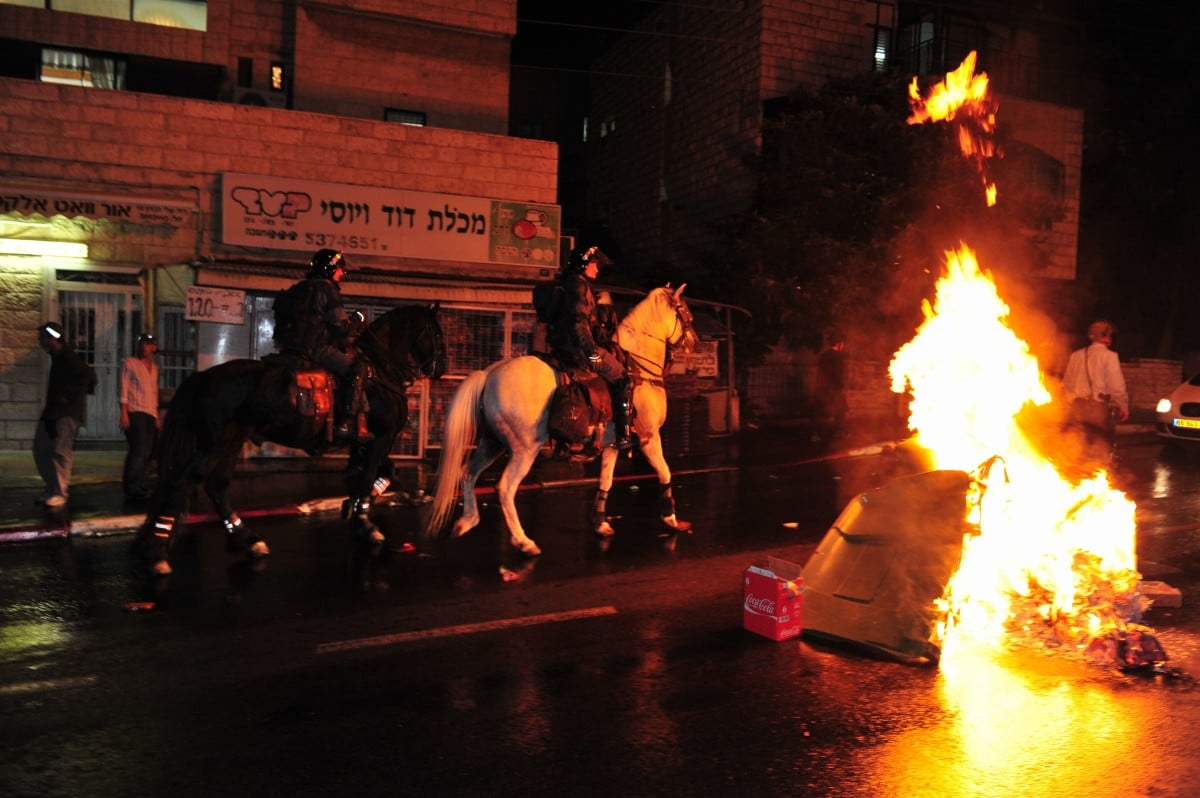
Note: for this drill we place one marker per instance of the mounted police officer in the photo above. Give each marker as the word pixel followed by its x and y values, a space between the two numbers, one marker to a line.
pixel 570 333
pixel 311 320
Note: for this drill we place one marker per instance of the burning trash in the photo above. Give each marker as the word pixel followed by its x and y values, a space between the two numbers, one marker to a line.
pixel 995 546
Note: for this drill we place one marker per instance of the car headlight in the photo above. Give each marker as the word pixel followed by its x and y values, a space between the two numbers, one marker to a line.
pixel 1163 406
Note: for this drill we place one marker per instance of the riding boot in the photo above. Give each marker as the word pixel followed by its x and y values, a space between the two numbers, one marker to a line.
pixel 621 391
pixel 353 425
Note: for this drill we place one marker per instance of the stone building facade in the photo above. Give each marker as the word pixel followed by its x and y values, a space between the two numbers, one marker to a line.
pixel 370 99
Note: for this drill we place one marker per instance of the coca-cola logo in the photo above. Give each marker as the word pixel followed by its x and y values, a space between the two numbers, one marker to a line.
pixel 760 604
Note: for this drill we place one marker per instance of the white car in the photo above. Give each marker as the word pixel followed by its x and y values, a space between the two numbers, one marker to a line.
pixel 1179 413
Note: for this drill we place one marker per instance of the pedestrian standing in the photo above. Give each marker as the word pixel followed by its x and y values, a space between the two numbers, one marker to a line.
pixel 1096 386
pixel 71 380
pixel 139 415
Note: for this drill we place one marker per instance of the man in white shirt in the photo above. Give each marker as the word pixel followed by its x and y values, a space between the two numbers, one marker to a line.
pixel 139 415
pixel 1094 381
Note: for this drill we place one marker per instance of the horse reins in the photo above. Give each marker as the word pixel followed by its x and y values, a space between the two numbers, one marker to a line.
pixel 643 364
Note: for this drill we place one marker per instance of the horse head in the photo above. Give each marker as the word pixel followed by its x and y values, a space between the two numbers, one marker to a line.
pixel 405 336
pixel 684 333
pixel 429 345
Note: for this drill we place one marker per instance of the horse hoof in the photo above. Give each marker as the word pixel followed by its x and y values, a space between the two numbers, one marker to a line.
pixel 161 568
pixel 604 530
pixel 258 548
pixel 530 550
pixel 461 528
pixel 672 525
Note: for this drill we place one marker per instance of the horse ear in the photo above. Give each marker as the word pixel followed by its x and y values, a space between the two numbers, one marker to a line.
pixel 678 291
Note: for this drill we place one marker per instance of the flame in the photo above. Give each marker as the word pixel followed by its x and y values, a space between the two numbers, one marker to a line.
pixel 1046 559
pixel 963 100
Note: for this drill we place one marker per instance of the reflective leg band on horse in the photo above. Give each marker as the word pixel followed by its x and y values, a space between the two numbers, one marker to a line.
pixel 666 501
pixel 599 505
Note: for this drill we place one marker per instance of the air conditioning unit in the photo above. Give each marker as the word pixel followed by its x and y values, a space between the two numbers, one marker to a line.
pixel 260 97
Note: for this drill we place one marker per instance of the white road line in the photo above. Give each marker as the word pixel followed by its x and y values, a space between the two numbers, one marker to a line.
pixel 48 684
pixel 462 629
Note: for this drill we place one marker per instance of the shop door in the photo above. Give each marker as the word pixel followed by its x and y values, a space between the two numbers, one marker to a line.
pixel 102 326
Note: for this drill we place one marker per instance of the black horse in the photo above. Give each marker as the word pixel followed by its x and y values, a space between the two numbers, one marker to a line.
pixel 215 411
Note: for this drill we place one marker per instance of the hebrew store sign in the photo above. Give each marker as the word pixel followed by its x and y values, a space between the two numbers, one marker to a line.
pixel 282 213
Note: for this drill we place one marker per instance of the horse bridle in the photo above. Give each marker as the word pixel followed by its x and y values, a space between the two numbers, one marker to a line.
pixel 430 329
pixel 683 325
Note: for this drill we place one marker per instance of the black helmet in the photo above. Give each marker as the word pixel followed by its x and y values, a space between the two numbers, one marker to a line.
pixel 146 338
pixel 325 263
pixel 580 257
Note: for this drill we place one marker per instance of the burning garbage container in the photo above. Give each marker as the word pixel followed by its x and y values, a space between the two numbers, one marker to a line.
pixel 875 578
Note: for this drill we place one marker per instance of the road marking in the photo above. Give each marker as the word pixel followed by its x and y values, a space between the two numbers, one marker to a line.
pixel 47 684
pixel 463 629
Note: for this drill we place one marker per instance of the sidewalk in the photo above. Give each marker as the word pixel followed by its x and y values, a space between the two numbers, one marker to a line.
pixel 97 506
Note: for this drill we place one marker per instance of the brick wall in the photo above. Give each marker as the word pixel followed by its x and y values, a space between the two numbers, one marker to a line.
pixel 449 60
pixel 95 141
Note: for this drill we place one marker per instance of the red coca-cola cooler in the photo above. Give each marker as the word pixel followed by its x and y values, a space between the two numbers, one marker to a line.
pixel 773 599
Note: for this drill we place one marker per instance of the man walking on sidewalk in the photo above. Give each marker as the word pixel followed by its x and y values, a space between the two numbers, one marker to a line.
pixel 71 380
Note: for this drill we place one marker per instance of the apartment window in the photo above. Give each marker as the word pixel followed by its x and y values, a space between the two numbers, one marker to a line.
pixel 883 34
pixel 404 117
pixel 80 69
pixel 188 14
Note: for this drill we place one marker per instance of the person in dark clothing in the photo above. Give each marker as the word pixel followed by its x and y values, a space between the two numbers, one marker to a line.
pixel 829 395
pixel 321 330
pixel 570 333
pixel 71 380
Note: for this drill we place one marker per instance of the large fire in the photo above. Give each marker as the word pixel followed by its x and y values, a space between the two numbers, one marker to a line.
pixel 1048 560
pixel 963 100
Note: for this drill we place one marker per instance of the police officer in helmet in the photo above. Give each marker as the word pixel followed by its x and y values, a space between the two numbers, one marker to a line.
pixel 324 332
pixel 570 333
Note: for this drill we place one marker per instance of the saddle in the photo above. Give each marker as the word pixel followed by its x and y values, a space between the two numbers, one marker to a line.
pixel 579 411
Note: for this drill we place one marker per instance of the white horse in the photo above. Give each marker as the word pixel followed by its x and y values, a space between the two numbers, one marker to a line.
pixel 507 408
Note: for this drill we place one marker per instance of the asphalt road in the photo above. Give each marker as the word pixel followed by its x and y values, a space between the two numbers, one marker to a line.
pixel 598 670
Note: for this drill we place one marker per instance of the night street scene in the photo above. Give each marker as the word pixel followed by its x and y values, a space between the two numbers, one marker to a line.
pixel 632 398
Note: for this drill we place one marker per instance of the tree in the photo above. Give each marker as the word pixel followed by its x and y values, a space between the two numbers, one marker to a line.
pixel 854 212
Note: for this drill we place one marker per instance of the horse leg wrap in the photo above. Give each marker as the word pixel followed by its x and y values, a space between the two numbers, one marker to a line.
pixel 233 524
pixel 599 512
pixel 235 533
pixel 361 507
pixel 666 510
pixel 379 486
pixel 666 501
pixel 159 546
pixel 163 526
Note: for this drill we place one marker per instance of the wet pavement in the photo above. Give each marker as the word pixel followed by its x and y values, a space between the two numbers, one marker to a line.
pixel 293 485
pixel 608 670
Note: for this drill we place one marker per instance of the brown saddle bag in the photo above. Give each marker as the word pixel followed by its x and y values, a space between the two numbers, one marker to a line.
pixel 579 412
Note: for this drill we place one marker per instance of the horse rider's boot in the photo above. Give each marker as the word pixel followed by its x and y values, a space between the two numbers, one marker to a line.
pixel 622 391
pixel 353 425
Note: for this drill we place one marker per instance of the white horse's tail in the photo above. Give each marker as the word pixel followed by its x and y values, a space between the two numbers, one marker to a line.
pixel 459 434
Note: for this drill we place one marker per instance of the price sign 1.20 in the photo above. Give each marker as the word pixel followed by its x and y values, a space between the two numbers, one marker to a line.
pixel 222 305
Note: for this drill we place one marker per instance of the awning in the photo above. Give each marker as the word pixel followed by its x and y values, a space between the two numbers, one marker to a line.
pixel 269 278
